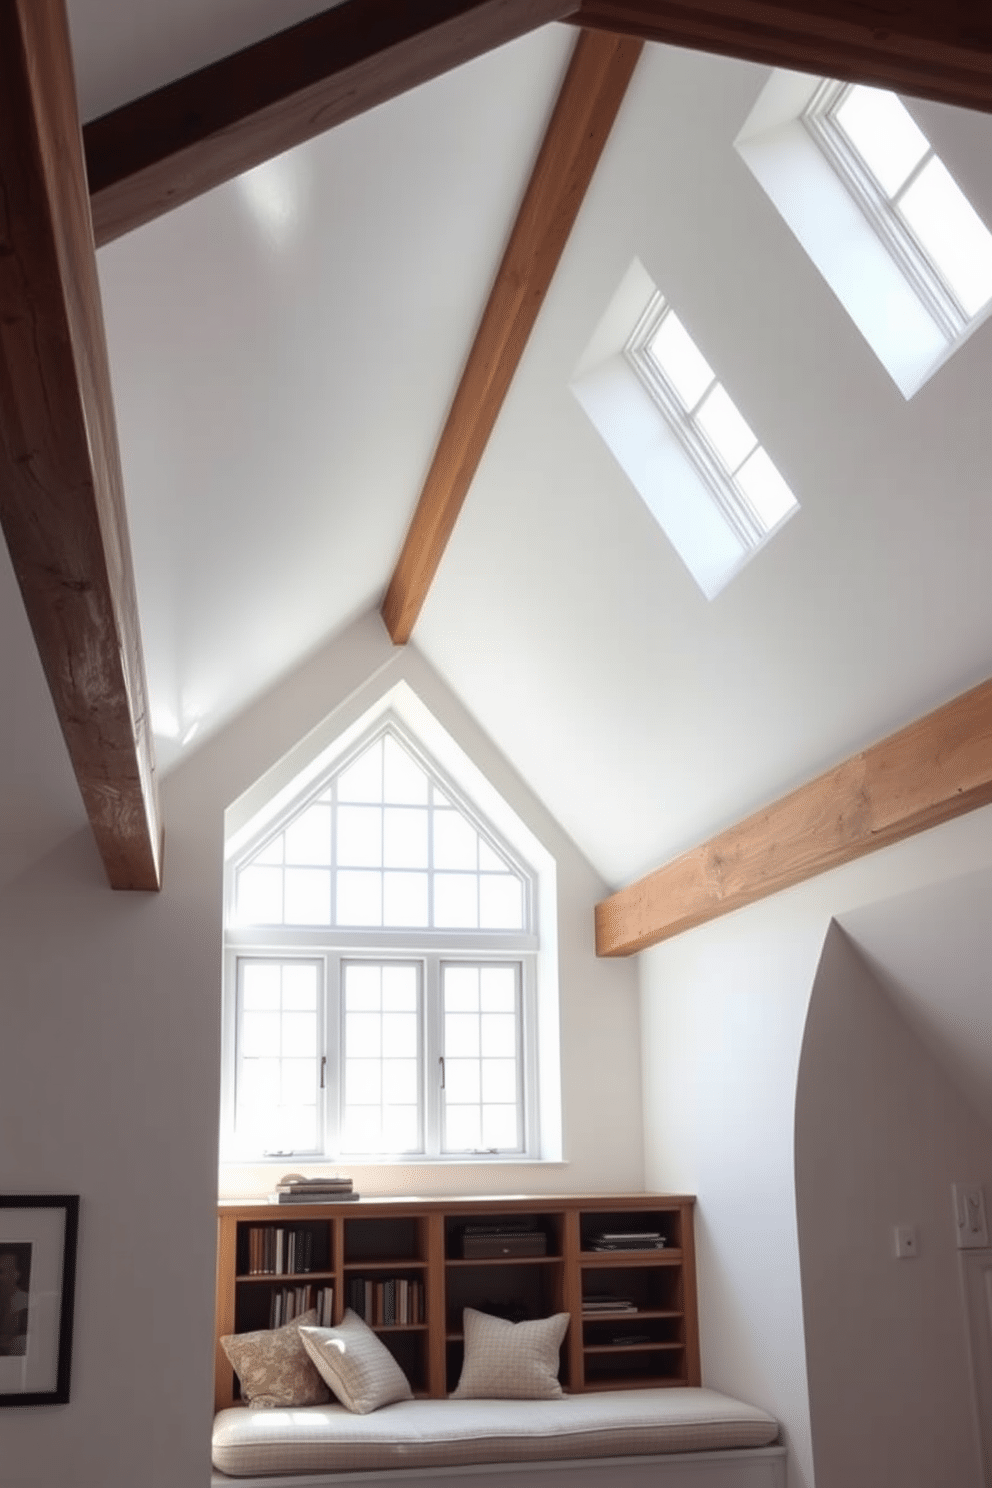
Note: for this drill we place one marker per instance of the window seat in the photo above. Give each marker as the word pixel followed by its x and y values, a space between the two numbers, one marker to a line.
pixel 678 1436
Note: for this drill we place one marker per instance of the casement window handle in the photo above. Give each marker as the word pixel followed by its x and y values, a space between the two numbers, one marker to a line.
pixel 441 1063
pixel 323 1072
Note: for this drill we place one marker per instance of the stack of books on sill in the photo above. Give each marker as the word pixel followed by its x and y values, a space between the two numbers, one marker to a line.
pixel 293 1302
pixel 628 1240
pixel 293 1189
pixel 594 1303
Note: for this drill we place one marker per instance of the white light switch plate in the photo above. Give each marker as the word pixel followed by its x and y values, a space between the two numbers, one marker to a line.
pixel 969 1216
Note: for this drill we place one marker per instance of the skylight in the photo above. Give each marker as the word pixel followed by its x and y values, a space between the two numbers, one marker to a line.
pixel 679 436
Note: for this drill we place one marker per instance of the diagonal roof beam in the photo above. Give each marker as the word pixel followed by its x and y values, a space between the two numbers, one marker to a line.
pixel 939 49
pixel 61 491
pixel 164 149
pixel 931 771
pixel 587 105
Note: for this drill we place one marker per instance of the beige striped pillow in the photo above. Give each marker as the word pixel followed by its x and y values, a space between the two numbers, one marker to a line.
pixel 510 1361
pixel 359 1369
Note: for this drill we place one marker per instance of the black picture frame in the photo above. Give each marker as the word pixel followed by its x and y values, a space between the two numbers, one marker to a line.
pixel 38 1234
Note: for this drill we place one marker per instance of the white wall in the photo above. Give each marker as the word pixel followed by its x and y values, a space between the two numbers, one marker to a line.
pixel 881 1134
pixel 109 1082
pixel 723 1012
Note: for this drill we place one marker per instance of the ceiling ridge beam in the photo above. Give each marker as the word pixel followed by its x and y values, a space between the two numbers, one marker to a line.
pixel 938 49
pixel 931 771
pixel 61 488
pixel 587 105
pixel 187 137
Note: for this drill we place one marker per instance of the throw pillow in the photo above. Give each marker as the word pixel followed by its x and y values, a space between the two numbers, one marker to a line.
pixel 510 1361
pixel 274 1367
pixel 359 1369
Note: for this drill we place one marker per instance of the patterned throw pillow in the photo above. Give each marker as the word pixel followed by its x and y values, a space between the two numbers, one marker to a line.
pixel 359 1369
pixel 274 1367
pixel 511 1361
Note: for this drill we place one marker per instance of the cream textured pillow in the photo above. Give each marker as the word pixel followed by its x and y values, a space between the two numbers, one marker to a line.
pixel 359 1369
pixel 510 1361
pixel 273 1366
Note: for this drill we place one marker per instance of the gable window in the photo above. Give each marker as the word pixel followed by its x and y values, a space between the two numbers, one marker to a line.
pixel 679 436
pixel 879 214
pixel 381 960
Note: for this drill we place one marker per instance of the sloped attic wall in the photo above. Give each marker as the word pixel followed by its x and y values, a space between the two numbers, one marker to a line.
pixel 109 1081
pixel 881 1134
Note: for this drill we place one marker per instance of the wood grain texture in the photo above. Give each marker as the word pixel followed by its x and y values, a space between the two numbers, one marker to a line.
pixel 164 149
pixel 939 49
pixel 61 491
pixel 935 769
pixel 594 87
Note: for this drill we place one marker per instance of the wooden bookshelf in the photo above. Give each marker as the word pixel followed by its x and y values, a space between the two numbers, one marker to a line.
pixel 650 1337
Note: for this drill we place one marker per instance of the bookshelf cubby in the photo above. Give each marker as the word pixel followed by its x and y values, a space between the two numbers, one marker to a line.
pixel 401 1263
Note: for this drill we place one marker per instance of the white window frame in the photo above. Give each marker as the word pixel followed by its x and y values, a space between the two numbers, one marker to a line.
pixel 429 949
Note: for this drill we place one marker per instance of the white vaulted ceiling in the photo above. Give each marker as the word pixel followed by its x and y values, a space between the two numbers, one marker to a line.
pixel 280 383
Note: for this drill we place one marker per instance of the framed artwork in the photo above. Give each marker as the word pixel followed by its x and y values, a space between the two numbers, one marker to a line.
pixel 37 1286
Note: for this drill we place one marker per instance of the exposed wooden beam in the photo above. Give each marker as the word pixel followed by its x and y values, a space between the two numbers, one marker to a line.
pixel 935 769
pixel 583 116
pixel 172 145
pixel 940 49
pixel 61 496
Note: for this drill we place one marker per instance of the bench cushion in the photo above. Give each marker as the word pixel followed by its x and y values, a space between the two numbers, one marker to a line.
pixel 436 1433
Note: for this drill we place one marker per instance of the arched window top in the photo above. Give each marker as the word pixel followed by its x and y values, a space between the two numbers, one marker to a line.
pixel 383 843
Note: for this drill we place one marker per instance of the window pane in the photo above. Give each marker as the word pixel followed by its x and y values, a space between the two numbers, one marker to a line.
pixel 400 1080
pixel 405 900
pixel 363 986
pixel 499 989
pixel 299 1082
pixel 765 489
pixel 258 1086
pixel 499 1080
pixel 462 1128
pixel 260 984
pixel 489 861
pixel 461 989
pixel 726 430
pixel 952 233
pixel 359 837
pixel 456 899
pixel 359 898
pixel 399 1129
pixel 399 1035
pixel 362 781
pixel 299 1034
pixel 499 1035
pixel 399 988
pixel 499 1127
pixel 308 839
pixel 363 1082
pixel 259 1034
pixel 405 837
pixel 500 902
pixel 260 896
pixel 681 360
pixel 362 1129
pixel 272 853
pixel 308 896
pixel 295 1129
pixel 461 1080
pixel 362 1035
pixel 882 131
pixel 299 987
pixel 461 1035
pixel 455 841
pixel 405 781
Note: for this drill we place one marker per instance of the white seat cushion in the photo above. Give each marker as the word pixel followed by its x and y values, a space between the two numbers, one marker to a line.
pixel 435 1433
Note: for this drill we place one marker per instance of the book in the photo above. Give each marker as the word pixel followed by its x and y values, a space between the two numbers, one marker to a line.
pixel 306 1196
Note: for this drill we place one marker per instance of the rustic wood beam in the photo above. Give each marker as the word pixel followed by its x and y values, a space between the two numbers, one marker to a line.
pixel 590 97
pixel 61 491
pixel 164 149
pixel 935 769
pixel 939 49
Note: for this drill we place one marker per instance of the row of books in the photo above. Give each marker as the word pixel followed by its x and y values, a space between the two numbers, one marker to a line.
pixel 277 1252
pixel 295 1189
pixel 628 1240
pixel 290 1302
pixel 394 1302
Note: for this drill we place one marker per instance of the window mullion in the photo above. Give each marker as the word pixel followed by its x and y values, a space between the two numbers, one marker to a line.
pixel 433 1053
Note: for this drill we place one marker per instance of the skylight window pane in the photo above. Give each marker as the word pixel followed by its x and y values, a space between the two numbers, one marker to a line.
pixel 952 232
pixel 362 781
pixel 308 896
pixel 308 838
pixel 359 898
pixel 405 900
pixel 360 836
pixel 680 359
pixel 456 901
pixel 765 489
pixel 500 902
pixel 260 896
pixel 723 426
pixel 455 841
pixel 489 861
pixel 405 781
pixel 883 132
pixel 405 837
